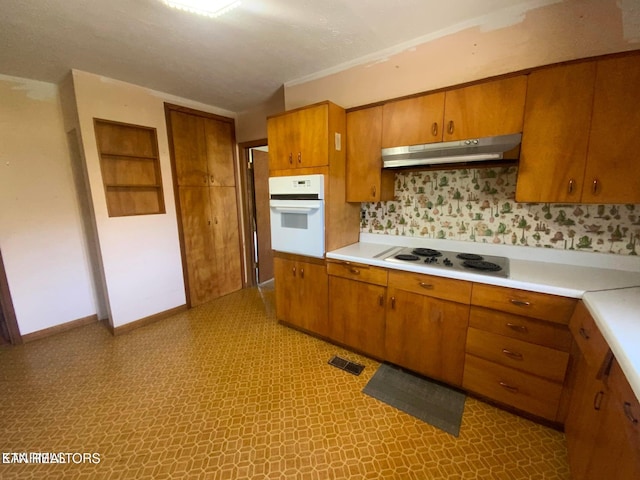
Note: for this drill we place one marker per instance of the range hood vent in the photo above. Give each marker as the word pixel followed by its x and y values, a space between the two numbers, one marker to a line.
pixel 459 151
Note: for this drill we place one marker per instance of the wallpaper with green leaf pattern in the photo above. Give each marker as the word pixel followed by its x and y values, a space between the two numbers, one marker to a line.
pixel 478 205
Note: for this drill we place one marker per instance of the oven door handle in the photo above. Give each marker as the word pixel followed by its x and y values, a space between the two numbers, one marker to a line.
pixel 295 209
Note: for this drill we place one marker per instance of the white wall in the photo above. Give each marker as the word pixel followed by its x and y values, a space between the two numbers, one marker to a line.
pixel 41 234
pixel 140 254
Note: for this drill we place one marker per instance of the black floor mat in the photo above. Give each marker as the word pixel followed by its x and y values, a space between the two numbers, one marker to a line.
pixel 431 402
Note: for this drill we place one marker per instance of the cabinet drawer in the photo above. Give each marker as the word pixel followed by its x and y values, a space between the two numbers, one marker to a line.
pixel 511 387
pixel 357 271
pixel 530 358
pixel 552 308
pixel 587 336
pixel 547 334
pixel 439 287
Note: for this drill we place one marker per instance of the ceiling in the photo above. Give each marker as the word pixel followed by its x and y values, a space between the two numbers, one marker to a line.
pixel 234 62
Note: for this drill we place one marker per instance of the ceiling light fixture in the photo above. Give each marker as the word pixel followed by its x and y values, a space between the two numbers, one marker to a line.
pixel 208 8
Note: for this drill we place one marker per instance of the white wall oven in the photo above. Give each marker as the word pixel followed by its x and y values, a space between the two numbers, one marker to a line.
pixel 297 214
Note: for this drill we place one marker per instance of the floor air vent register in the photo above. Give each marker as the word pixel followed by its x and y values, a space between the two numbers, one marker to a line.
pixel 346 365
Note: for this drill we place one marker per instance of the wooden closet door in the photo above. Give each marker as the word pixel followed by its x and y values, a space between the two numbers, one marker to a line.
pixel 198 244
pixel 189 149
pixel 219 140
pixel 226 239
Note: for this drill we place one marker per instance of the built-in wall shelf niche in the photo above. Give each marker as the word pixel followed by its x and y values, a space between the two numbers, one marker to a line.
pixel 130 168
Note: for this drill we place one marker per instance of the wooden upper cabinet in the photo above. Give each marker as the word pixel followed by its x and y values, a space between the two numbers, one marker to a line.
pixel 413 121
pixel 366 181
pixel 612 174
pixel 492 108
pixel 219 138
pixel 303 138
pixel 555 140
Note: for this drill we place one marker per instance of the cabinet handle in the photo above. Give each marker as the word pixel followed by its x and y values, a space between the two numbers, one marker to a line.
pixel 205 178
pixel 517 328
pixel 373 191
pixel 426 286
pixel 514 355
pixel 597 400
pixel 291 158
pixel 393 303
pixel 629 414
pixel 381 300
pixel 571 182
pixel 508 387
pixel 302 273
pixel 434 129
pixel 583 333
pixel 299 157
pixel 450 127
pixel 519 303
pixel 294 271
pixel 355 271
pixel 594 186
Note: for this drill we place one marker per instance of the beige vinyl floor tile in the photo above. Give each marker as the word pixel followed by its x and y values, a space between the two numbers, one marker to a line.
pixel 223 391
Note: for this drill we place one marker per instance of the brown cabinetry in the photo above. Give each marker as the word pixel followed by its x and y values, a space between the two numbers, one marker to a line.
pixel 426 324
pixel 202 149
pixel 603 435
pixel 357 301
pixel 301 286
pixel 580 130
pixel 517 348
pixel 366 181
pixel 491 108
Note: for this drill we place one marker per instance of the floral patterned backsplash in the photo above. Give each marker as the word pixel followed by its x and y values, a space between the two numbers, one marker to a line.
pixel 478 205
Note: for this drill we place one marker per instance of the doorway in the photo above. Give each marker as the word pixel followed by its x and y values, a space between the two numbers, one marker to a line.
pixel 9 331
pixel 257 223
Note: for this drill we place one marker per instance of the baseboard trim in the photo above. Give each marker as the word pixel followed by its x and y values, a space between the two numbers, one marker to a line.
pixel 115 331
pixel 63 327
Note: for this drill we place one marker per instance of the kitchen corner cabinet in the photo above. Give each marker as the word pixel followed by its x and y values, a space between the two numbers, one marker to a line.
pixel 517 349
pixel 357 301
pixel 366 180
pixel 581 132
pixel 426 324
pixel 303 138
pixel 603 435
pixel 301 287
pixel 491 108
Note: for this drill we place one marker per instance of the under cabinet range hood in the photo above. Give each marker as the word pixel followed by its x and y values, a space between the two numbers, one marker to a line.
pixel 459 151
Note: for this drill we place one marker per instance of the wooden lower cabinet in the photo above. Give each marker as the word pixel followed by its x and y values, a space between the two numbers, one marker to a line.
pixel 426 334
pixel 302 290
pixel 357 315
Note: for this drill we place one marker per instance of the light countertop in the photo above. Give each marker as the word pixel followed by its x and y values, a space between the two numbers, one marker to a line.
pixel 609 285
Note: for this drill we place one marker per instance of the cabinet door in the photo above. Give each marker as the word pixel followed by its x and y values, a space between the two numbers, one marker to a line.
pixel 366 181
pixel 313 292
pixel 226 239
pixel 312 125
pixel 555 134
pixel 198 244
pixel 219 140
pixel 356 315
pixel 413 121
pixel 287 298
pixel 426 335
pixel 282 141
pixel 613 172
pixel 189 149
pixel 492 108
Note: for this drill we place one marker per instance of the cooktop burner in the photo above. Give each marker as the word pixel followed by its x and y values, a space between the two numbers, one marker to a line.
pixel 427 258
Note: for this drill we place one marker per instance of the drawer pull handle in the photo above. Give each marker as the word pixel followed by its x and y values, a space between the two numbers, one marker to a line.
pixel 426 286
pixel 381 300
pixel 520 303
pixel 597 400
pixel 517 328
pixel 629 414
pixel 393 303
pixel 302 273
pixel 294 271
pixel 355 271
pixel 583 333
pixel 506 386
pixel 434 129
pixel 514 355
